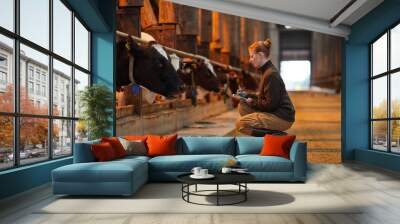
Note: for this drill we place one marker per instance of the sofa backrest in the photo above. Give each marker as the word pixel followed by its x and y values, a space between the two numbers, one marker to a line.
pixel 249 145
pixel 206 145
pixel 190 145
pixel 83 152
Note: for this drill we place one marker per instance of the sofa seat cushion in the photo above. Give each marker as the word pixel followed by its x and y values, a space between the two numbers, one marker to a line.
pixel 185 163
pixel 134 157
pixel 112 171
pixel 257 163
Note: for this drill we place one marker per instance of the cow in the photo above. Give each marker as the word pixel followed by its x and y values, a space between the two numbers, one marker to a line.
pixel 146 65
pixel 199 73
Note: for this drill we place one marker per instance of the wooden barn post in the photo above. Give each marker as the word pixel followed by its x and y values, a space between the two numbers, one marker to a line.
pixel 165 31
pixel 226 39
pixel 215 45
pixel 187 29
pixel 204 37
pixel 128 16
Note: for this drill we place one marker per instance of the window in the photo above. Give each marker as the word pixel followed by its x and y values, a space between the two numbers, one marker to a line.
pixel 62 29
pixel 62 137
pixel 3 61
pixel 3 78
pixel 81 45
pixel 296 74
pixel 38 89
pixel 30 72
pixel 47 73
pixel 385 94
pixel 81 81
pixel 35 21
pixel 6 142
pixel 62 74
pixel 6 73
pixel 7 14
pixel 44 91
pixel 37 74
pixel 30 87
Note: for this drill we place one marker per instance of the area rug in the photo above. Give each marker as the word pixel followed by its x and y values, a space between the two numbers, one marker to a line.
pixel 166 198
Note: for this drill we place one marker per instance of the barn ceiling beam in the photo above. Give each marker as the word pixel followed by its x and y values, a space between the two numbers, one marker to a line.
pixel 269 15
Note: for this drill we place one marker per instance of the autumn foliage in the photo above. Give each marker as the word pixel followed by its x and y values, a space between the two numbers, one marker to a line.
pixel 33 131
pixel 380 127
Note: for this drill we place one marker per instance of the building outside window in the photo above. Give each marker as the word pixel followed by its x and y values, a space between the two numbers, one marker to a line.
pixel 43 90
pixel 3 61
pixel 58 126
pixel 44 77
pixel 385 92
pixel 30 72
pixel 3 78
pixel 30 87
pixel 37 74
pixel 3 72
pixel 38 89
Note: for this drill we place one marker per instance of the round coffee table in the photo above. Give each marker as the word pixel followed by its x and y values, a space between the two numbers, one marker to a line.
pixel 238 179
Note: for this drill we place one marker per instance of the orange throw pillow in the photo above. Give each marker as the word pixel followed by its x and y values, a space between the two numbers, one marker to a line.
pixel 276 145
pixel 161 145
pixel 103 152
pixel 116 145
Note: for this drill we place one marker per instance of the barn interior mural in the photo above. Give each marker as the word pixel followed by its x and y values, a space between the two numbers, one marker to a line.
pixel 177 67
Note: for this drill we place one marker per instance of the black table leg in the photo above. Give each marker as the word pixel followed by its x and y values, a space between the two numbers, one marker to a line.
pixel 217 194
pixel 196 188
pixel 245 193
pixel 188 190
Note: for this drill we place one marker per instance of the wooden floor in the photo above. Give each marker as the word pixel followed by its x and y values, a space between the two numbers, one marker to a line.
pixel 379 190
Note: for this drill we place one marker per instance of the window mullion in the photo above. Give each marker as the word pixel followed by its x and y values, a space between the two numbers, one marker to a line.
pixel 16 69
pixel 389 138
pixel 73 82
pixel 50 81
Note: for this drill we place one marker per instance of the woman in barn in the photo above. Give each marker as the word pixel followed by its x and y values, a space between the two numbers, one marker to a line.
pixel 270 109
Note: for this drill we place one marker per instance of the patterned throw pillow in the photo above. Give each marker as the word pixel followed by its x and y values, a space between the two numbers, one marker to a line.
pixel 134 147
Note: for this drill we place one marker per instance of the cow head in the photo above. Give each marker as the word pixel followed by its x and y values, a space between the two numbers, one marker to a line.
pixel 151 69
pixel 203 75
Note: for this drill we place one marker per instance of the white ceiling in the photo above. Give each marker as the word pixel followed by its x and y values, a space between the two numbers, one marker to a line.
pixel 314 15
pixel 321 9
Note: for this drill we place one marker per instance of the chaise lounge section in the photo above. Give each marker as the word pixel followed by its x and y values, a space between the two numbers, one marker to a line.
pixel 125 176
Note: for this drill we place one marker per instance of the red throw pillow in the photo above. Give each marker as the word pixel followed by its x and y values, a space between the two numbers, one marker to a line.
pixel 116 145
pixel 103 151
pixel 277 145
pixel 161 145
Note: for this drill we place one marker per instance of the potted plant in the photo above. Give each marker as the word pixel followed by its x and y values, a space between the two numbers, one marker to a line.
pixel 96 103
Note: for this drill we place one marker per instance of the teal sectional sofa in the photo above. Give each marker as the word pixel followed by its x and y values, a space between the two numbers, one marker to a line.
pixel 125 176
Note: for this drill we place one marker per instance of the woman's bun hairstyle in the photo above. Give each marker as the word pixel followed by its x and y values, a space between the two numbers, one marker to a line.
pixel 267 43
pixel 261 46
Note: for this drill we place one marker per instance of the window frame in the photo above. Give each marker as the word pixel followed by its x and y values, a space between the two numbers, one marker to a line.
pixel 388 74
pixel 16 114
